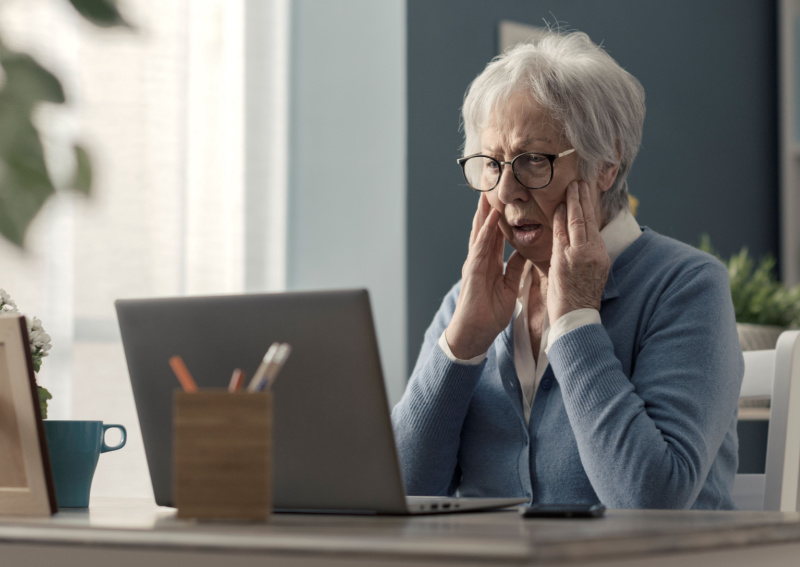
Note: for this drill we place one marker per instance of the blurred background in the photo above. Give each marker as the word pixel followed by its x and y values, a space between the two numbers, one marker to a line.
pixel 264 145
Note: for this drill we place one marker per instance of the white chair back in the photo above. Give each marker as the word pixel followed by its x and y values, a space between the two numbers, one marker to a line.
pixel 775 373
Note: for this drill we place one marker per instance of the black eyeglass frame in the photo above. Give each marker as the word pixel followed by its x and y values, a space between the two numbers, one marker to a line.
pixel 500 164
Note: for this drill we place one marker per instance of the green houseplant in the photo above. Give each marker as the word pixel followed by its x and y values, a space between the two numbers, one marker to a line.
pixel 764 306
pixel 25 182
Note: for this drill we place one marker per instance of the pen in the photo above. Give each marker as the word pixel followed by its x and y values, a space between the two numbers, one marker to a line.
pixel 237 379
pixel 262 368
pixel 182 373
pixel 280 359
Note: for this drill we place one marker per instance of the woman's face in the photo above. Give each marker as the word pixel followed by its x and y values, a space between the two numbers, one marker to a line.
pixel 526 216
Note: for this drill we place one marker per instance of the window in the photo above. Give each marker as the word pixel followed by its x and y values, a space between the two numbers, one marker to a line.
pixel 189 198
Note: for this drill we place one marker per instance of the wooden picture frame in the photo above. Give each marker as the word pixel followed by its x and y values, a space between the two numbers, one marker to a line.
pixel 26 481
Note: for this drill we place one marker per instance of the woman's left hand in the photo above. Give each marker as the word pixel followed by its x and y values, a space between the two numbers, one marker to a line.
pixel 579 265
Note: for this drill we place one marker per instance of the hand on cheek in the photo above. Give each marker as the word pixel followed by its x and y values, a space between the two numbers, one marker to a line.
pixel 488 292
pixel 579 265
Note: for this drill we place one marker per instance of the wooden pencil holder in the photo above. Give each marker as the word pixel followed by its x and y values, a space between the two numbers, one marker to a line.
pixel 222 455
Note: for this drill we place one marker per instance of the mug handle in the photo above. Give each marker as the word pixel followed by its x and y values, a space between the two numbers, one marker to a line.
pixel 105 448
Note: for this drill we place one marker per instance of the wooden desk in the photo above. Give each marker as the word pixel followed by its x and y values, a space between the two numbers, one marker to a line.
pixel 134 533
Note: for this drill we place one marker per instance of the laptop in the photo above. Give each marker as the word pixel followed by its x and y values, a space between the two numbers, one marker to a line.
pixel 333 444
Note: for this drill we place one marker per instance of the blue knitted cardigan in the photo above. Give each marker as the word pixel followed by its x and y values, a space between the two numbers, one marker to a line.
pixel 638 412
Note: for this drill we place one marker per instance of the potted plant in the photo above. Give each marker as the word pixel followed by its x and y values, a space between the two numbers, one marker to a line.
pixel 764 306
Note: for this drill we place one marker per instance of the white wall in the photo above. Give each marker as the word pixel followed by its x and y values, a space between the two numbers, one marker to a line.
pixel 347 196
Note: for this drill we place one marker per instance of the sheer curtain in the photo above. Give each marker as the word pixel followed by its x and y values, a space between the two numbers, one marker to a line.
pixel 189 194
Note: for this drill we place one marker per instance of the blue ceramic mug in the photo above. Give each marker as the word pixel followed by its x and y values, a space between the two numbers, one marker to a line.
pixel 75 448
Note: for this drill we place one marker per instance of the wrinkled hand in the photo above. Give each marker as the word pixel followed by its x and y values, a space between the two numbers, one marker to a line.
pixel 580 263
pixel 488 295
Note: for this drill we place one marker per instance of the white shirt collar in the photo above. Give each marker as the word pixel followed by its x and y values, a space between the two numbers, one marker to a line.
pixel 620 233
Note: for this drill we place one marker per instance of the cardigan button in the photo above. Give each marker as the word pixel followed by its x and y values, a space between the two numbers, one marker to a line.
pixel 546 384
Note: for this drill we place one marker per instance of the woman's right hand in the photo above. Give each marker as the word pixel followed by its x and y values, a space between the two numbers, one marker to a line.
pixel 488 295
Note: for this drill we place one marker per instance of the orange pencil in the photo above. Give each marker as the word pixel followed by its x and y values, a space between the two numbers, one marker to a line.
pixel 237 379
pixel 182 373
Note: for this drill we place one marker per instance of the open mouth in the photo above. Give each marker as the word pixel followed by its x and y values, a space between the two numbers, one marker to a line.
pixel 526 233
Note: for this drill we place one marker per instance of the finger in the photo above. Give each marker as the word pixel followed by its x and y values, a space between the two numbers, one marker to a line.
pixel 496 239
pixel 485 240
pixel 576 224
pixel 480 217
pixel 589 213
pixel 560 234
pixel 476 225
pixel 499 241
pixel 514 270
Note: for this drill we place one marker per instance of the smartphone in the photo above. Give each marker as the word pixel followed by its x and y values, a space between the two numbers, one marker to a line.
pixel 563 511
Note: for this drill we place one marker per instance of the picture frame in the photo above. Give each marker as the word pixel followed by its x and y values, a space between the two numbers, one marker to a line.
pixel 511 33
pixel 26 481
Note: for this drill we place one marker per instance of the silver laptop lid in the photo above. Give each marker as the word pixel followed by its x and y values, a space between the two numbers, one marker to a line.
pixel 333 442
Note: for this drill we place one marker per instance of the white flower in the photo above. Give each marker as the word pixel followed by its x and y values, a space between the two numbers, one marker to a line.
pixel 39 339
pixel 35 325
pixel 7 304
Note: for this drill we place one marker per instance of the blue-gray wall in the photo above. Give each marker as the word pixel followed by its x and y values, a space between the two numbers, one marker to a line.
pixel 347 225
pixel 708 161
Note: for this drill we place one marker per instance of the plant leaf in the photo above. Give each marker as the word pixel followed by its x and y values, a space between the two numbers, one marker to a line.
pixel 101 13
pixel 82 181
pixel 19 205
pixel 27 82
pixel 25 184
pixel 44 395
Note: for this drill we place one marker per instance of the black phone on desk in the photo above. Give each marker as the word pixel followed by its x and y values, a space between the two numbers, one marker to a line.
pixel 563 511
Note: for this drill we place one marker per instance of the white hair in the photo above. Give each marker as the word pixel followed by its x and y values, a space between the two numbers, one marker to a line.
pixel 598 103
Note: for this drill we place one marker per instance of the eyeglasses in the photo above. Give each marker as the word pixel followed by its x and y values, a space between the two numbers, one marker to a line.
pixel 532 170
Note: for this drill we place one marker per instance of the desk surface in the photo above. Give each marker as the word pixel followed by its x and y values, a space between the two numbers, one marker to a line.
pixel 499 537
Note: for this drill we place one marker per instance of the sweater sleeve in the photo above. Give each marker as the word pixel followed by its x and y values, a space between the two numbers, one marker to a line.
pixel 427 420
pixel 649 441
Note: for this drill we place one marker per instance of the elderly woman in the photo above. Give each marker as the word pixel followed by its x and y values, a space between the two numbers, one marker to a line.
pixel 600 364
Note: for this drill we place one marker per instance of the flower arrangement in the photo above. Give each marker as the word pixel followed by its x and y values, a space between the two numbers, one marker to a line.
pixel 40 343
